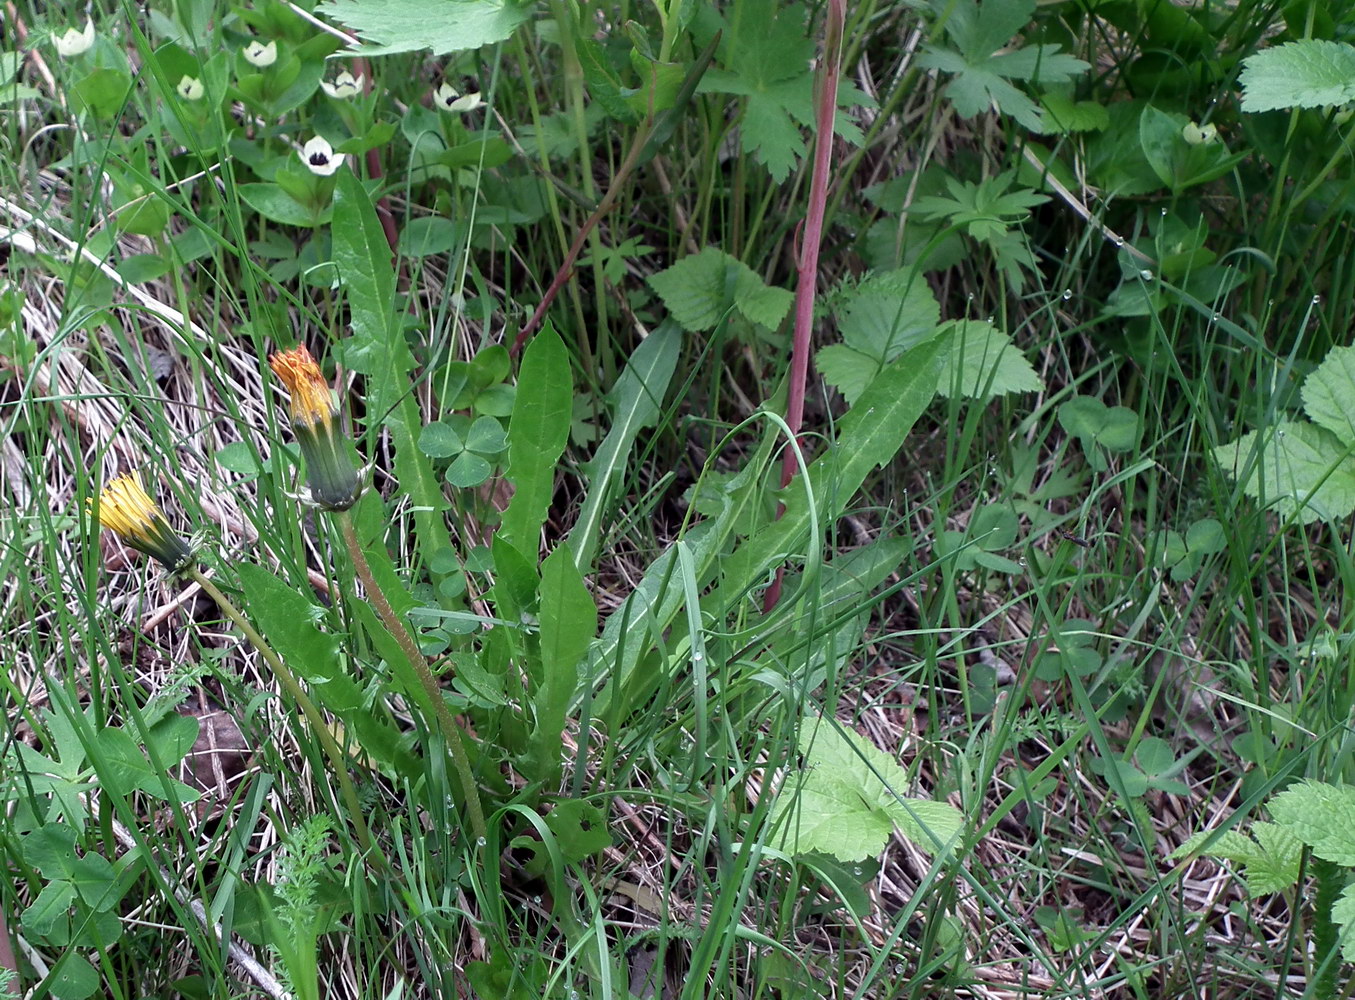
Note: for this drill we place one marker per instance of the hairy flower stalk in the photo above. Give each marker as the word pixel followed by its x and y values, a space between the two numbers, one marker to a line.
pixel 334 480
pixel 125 509
pixel 335 485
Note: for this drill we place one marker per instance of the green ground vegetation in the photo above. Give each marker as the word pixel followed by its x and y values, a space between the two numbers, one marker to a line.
pixel 789 499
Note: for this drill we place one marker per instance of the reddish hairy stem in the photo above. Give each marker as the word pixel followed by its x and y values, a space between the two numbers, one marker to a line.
pixel 807 264
pixel 575 248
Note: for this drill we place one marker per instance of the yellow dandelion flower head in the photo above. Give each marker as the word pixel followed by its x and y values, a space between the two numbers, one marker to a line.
pixel 127 510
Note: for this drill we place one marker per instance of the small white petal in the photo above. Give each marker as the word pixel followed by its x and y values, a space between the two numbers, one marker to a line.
pixel 190 88
pixel 466 102
pixel 320 158
pixel 258 54
pixel 73 42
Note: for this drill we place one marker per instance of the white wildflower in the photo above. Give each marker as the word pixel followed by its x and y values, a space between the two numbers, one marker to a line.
pixel 73 42
pixel 345 85
pixel 448 99
pixel 320 158
pixel 258 54
pixel 190 88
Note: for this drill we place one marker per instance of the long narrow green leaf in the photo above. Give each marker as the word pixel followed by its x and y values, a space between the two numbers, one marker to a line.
pixel 537 434
pixel 869 436
pixel 871 433
pixel 637 399
pixel 378 350
pixel 569 621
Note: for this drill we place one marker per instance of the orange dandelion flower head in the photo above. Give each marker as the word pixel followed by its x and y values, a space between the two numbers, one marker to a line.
pixel 313 402
pixel 333 479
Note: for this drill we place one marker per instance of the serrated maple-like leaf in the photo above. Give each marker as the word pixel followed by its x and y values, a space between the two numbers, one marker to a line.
pixel 765 57
pixel 1343 913
pixel 888 313
pixel 700 289
pixel 1310 73
pixel 846 369
pixel 982 73
pixel 390 26
pixel 848 800
pixel 1276 866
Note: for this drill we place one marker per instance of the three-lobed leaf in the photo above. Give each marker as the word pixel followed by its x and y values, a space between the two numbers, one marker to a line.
pixel 848 800
pixel 702 288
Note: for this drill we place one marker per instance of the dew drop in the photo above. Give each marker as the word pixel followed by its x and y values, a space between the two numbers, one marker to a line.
pixel 480 841
pixel 1119 241
pixel 856 870
pixel 1146 274
pixel 1021 561
pixel 536 900
pixel 698 657
pixel 1215 318
pixel 1067 294
pixel 1317 300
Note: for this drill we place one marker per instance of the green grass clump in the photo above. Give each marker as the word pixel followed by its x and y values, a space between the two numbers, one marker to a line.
pixel 778 501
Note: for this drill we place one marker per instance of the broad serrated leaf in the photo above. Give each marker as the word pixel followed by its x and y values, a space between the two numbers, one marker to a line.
pixel 847 369
pixel 1228 845
pixel 390 26
pixel 825 814
pixel 1311 73
pixel 982 362
pixel 1303 470
pixel 700 289
pixel 1329 394
pixel 1276 867
pixel 1062 115
pixel 1322 816
pixel 887 314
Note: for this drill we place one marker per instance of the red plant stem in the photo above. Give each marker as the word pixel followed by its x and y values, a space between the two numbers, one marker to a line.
pixel 807 266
